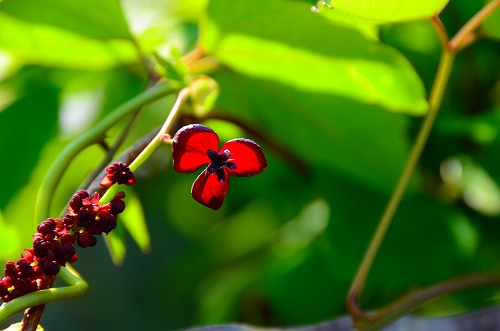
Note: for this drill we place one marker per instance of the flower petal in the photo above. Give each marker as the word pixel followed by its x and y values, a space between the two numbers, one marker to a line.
pixel 106 182
pixel 190 145
pixel 247 155
pixel 208 191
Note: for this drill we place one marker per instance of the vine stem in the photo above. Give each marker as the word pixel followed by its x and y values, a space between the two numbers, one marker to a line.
pixel 77 288
pixel 435 99
pixel 110 151
pixel 94 134
pixel 465 35
pixel 409 302
pixel 34 302
pixel 160 138
pixel 441 30
pixel 462 39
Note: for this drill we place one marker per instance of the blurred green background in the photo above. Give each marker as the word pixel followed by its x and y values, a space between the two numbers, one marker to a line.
pixel 335 108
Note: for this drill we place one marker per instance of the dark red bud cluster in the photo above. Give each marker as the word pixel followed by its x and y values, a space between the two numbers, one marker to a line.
pixel 54 243
pixel 119 173
pixel 92 219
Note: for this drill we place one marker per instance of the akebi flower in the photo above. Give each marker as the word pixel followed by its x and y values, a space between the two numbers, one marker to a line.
pixel 56 238
pixel 195 145
pixel 118 172
pixel 55 241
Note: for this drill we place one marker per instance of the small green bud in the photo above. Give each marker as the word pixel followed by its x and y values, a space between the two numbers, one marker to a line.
pixel 203 93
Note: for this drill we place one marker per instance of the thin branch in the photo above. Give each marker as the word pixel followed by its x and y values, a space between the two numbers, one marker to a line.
pixel 110 151
pixel 154 143
pixel 126 157
pixel 463 38
pixel 64 159
pixel 414 300
pixel 33 315
pixel 465 35
pixel 440 28
pixel 77 288
pixel 371 252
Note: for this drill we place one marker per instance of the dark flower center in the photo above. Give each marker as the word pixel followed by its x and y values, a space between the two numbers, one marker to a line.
pixel 119 173
pixel 217 163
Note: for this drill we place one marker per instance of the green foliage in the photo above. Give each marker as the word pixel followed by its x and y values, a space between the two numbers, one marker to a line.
pixel 308 59
pixel 48 45
pixel 384 11
pixel 492 25
pixel 96 19
pixel 333 94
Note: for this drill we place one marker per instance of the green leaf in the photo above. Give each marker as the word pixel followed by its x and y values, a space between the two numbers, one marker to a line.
pixel 359 140
pixel 244 233
pixel 203 94
pixel 93 18
pixel 115 242
pixel 25 127
pixel 9 236
pixel 464 178
pixel 49 46
pixel 386 11
pixel 301 231
pixel 265 40
pixel 491 26
pixel 368 29
pixel 134 221
pixel 220 291
pixel 284 279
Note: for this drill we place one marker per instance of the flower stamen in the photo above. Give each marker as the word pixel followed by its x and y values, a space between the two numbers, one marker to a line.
pixel 217 163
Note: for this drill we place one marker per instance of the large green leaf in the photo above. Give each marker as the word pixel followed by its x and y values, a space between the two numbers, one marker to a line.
pixel 386 11
pixel 367 145
pixel 9 236
pixel 115 242
pixel 93 18
pixel 491 26
pixel 25 127
pixel 135 222
pixel 268 40
pixel 368 29
pixel 50 46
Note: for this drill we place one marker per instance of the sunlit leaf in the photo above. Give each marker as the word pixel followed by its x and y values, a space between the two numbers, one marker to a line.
pixel 464 178
pixel 264 40
pixel 134 221
pixel 94 18
pixel 36 109
pixel 49 46
pixel 385 11
pixel 368 29
pixel 323 130
pixel 9 237
pixel 491 25
pixel 116 246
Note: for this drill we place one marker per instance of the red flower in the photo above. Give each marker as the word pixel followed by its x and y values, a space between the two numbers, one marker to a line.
pixel 118 172
pixel 195 145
